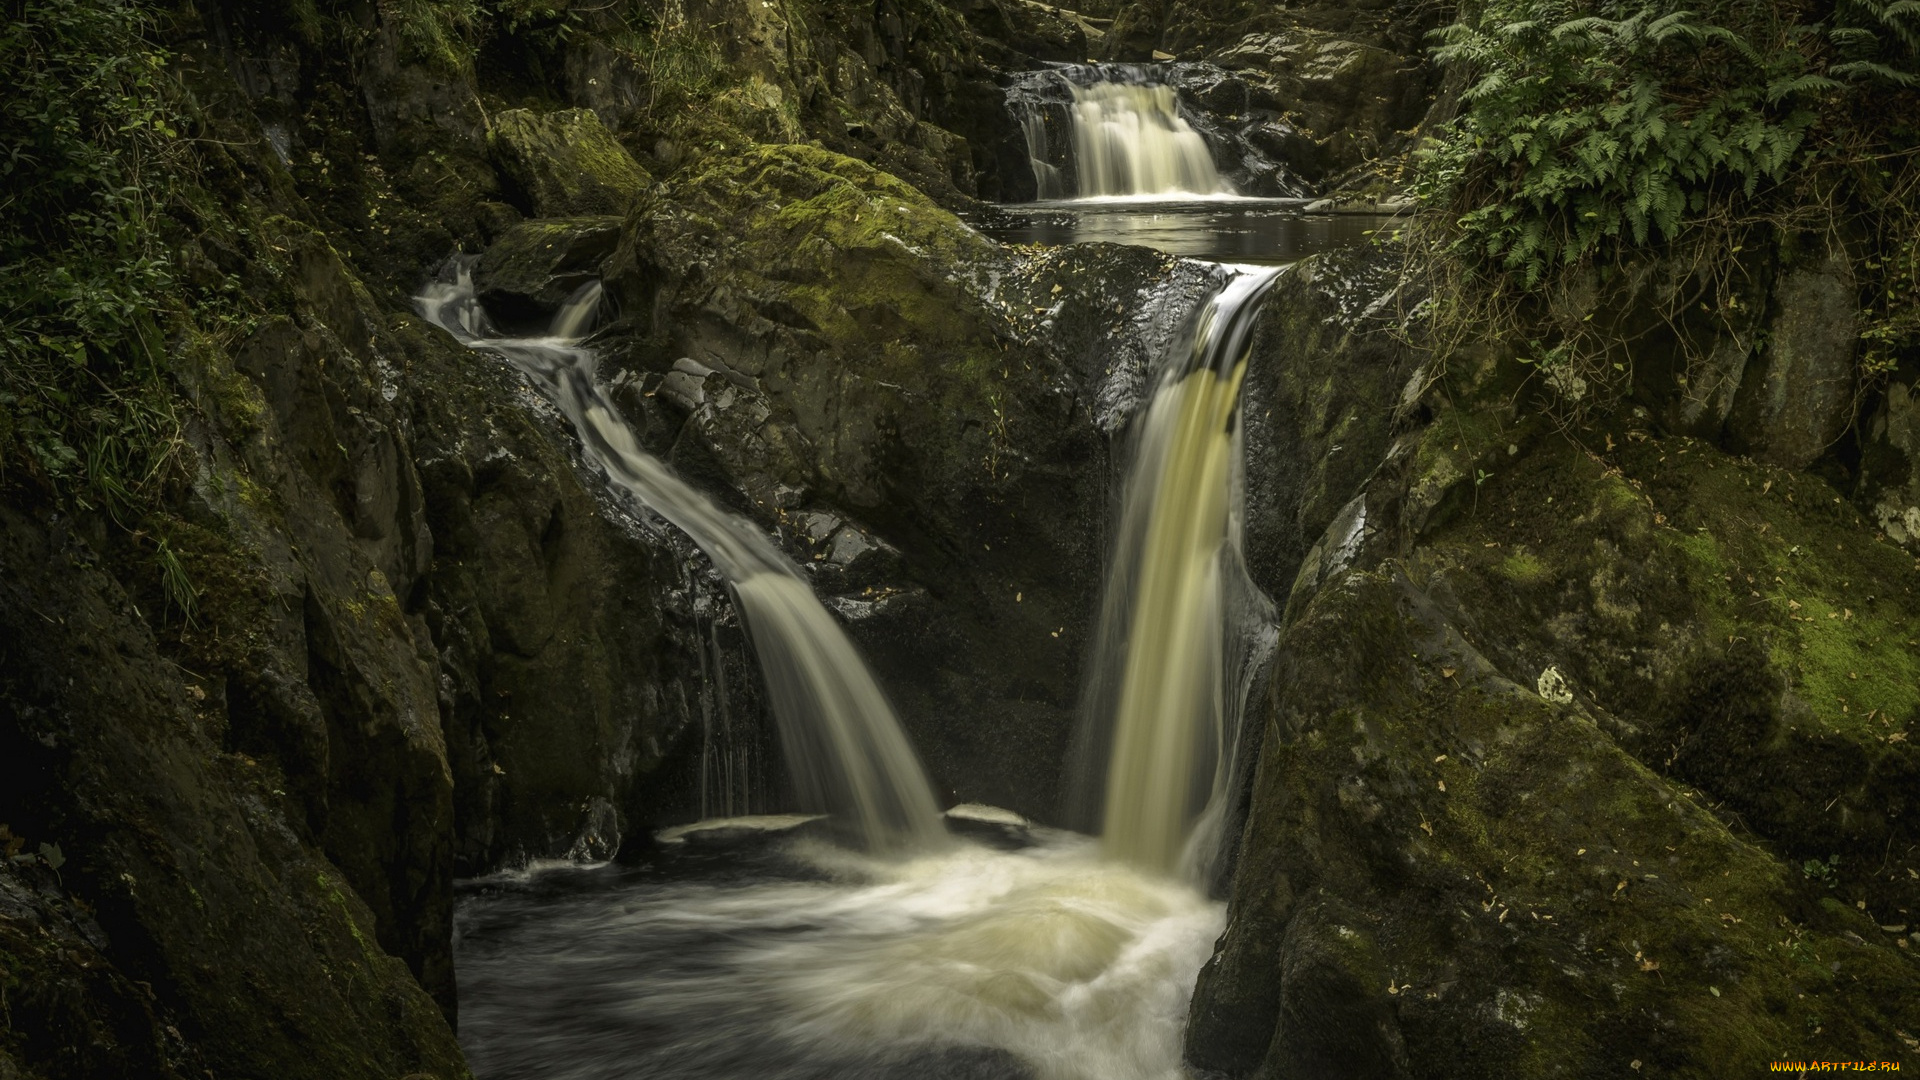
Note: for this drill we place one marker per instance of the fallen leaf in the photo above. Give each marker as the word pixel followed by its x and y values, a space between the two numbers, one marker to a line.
pixel 1649 965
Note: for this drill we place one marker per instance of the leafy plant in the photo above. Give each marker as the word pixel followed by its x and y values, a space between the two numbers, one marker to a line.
pixel 1581 130
pixel 1822 873
pixel 91 133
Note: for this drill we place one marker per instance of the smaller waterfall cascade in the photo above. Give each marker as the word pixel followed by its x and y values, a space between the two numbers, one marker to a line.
pixel 1171 653
pixel 1129 139
pixel 843 744
pixel 1124 136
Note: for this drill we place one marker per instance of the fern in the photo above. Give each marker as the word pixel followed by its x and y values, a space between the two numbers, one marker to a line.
pixel 1591 129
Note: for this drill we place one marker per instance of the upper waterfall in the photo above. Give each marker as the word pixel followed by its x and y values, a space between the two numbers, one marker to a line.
pixel 1129 139
pixel 844 746
pixel 1173 647
pixel 1125 135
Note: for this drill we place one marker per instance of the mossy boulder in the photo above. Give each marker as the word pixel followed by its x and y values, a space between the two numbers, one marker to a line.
pixel 565 163
pixel 830 344
pixel 190 923
pixel 1510 889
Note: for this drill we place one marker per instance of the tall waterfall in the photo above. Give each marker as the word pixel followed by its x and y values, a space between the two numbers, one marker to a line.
pixel 1169 670
pixel 1124 136
pixel 843 744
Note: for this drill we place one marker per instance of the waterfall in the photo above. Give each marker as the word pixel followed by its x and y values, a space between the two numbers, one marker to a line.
pixel 844 746
pixel 1129 139
pixel 1049 181
pixel 1179 620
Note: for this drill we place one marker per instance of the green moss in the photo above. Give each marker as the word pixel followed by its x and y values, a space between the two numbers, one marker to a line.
pixel 435 31
pixel 1524 568
pixel 566 163
pixel 369 952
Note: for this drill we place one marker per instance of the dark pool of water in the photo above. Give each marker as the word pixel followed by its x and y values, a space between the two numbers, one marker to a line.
pixel 1246 230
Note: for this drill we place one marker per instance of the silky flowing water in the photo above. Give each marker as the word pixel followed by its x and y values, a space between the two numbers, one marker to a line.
pixel 1164 696
pixel 844 748
pixel 791 959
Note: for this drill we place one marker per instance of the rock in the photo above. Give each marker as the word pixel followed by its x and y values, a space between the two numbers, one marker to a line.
pixel 1887 473
pixel 1795 403
pixel 1583 627
pixel 843 348
pixel 534 266
pixel 223 919
pixel 565 163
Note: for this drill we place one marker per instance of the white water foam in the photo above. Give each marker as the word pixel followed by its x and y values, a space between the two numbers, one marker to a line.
pixel 1048 962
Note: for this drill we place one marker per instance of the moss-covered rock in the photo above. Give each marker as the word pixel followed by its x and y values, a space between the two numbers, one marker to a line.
pixel 565 163
pixel 178 866
pixel 862 356
pixel 1599 739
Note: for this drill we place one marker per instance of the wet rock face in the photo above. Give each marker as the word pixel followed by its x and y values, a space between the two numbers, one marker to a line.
pixel 571 658
pixel 218 934
pixel 1543 721
pixel 534 266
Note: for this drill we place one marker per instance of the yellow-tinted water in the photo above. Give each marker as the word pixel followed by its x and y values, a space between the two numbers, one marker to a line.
pixel 1160 673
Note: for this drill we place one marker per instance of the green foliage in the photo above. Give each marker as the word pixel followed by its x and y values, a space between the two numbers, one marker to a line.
pixel 1586 130
pixel 435 31
pixel 1822 873
pixel 90 132
pixel 1876 42
pixel 1582 130
pixel 1892 314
